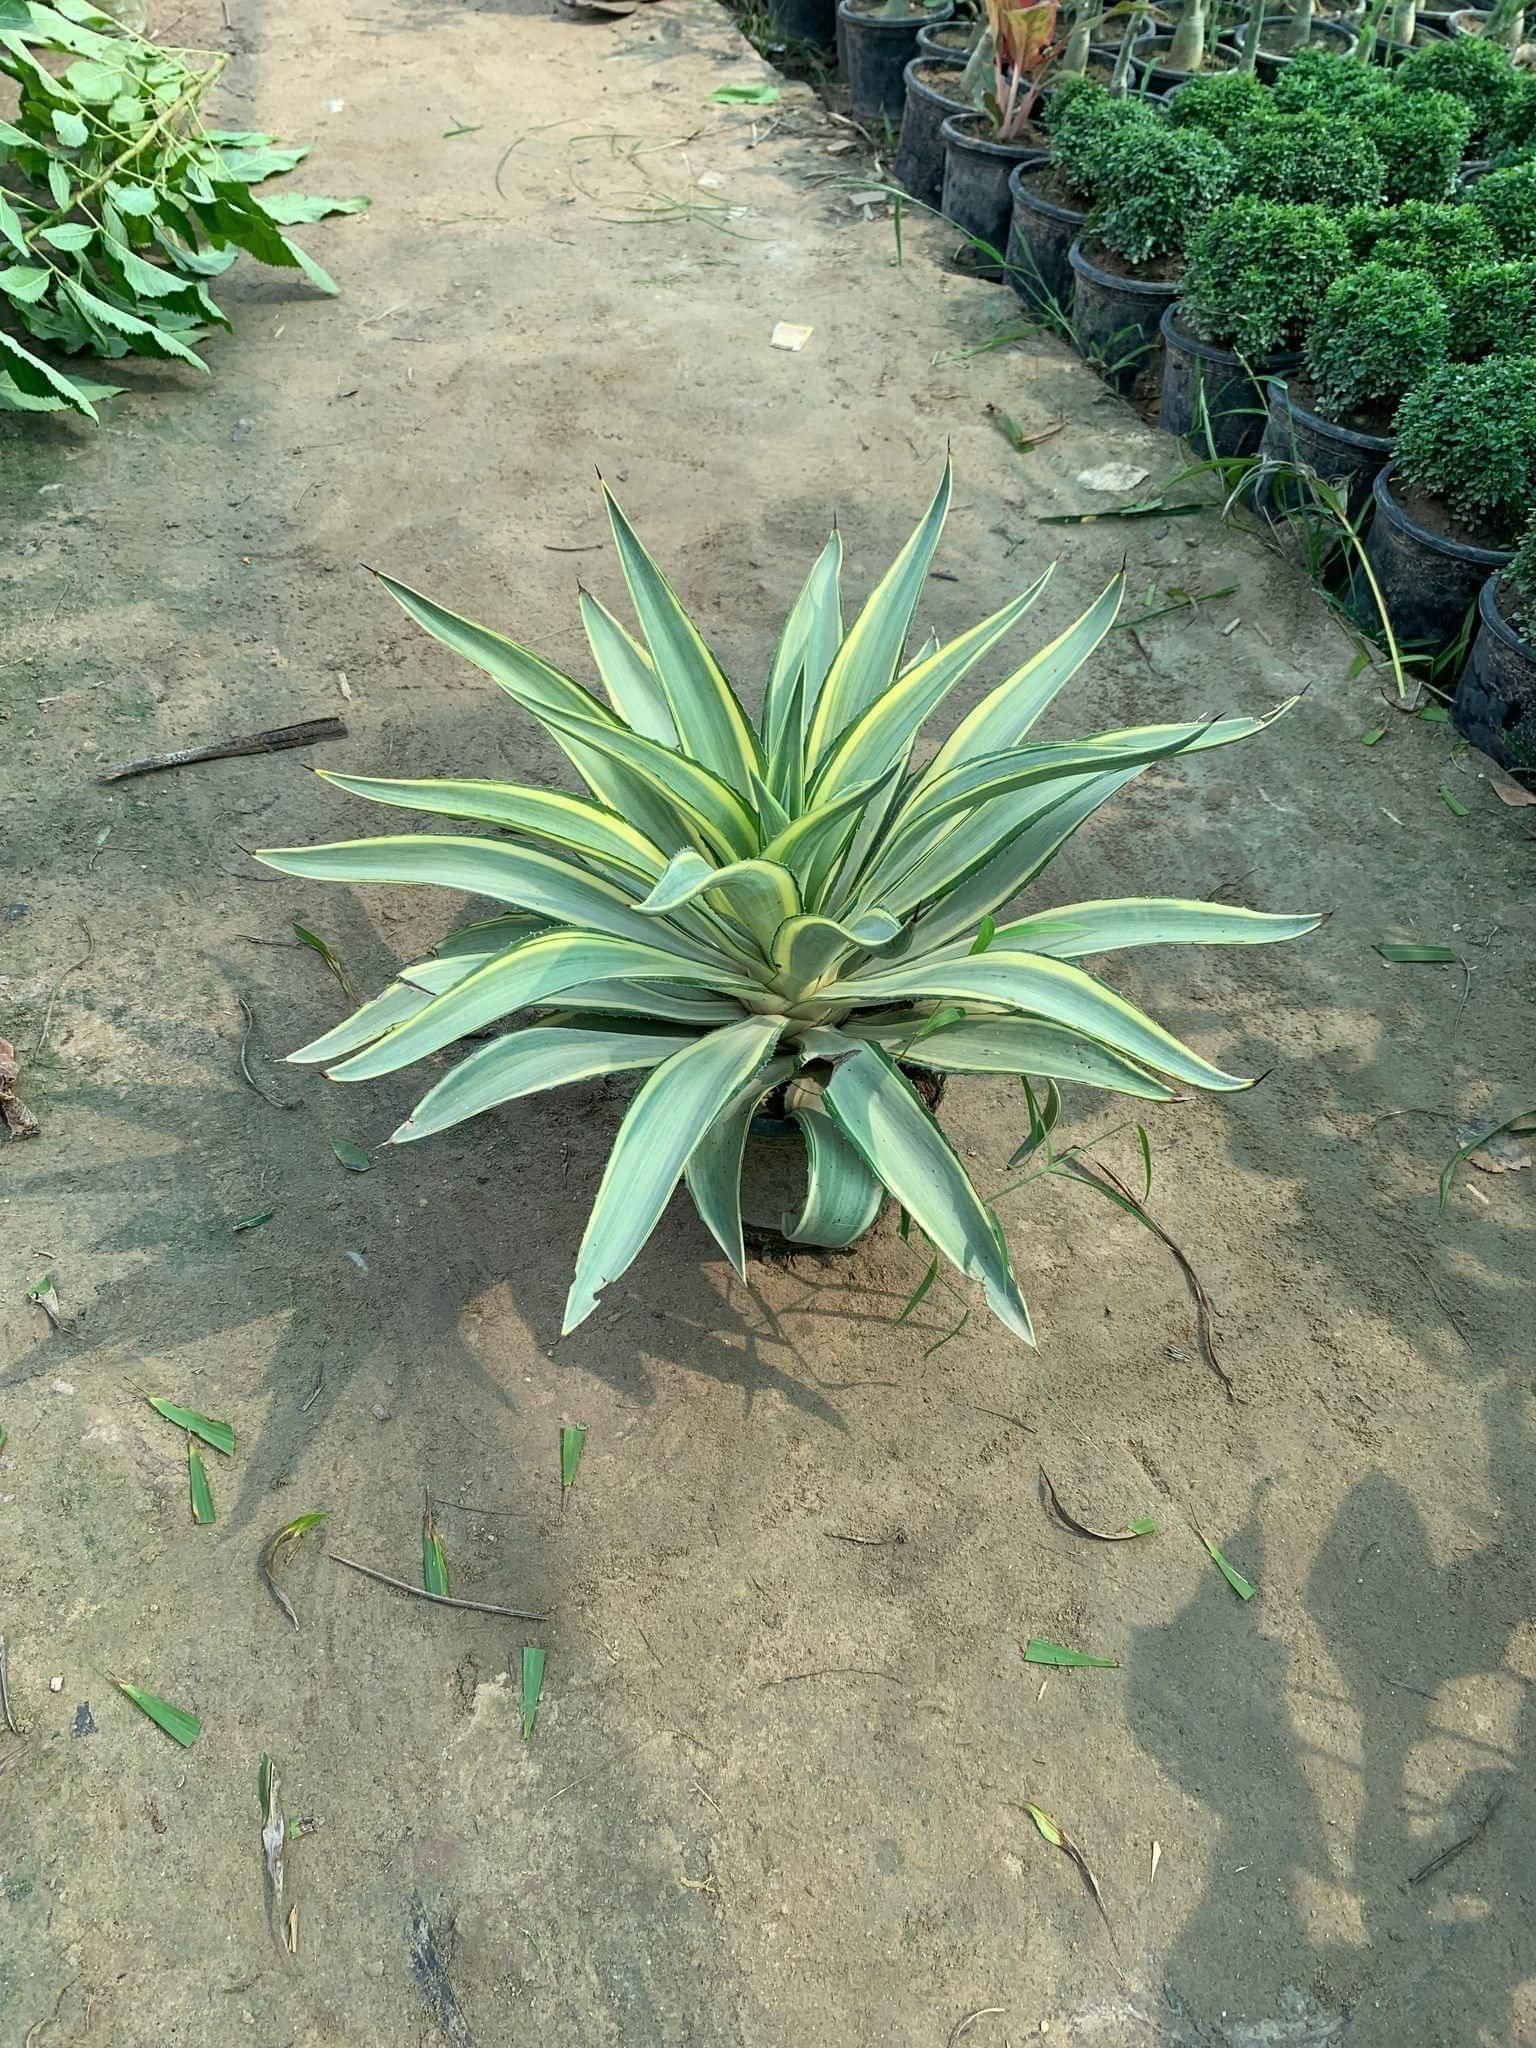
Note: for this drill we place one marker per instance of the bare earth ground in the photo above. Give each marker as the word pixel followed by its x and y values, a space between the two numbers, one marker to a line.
pixel 689 1850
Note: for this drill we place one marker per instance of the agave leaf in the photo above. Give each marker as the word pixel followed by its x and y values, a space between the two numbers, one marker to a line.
pixel 571 822
pixel 811 846
pixel 529 974
pixel 842 1196
pixel 628 673
pixel 528 1062
pixel 713 1171
pixel 771 814
pixel 1079 929
pixel 807 949
pixel 711 725
pixel 885 1122
pixel 375 1017
pixel 811 637
pixel 760 894
pixel 884 732
pixel 1052 989
pixel 1004 717
pixel 674 1108
pixel 870 654
pixel 651 1000
pixel 967 1044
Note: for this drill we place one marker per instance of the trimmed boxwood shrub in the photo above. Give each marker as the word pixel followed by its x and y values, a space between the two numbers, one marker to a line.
pixel 1154 185
pixel 1492 310
pixel 1256 272
pixel 1308 159
pixel 1439 240
pixel 1507 201
pixel 1377 333
pixel 1421 138
pixel 1220 102
pixel 1466 436
pixel 1333 84
pixel 1520 577
pixel 1477 71
pixel 1083 122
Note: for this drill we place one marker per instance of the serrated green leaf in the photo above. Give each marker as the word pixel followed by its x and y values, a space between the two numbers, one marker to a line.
pixel 181 1726
pixel 573 1435
pixel 220 1436
pixel 533 1685
pixel 351 1155
pixel 1230 1573
pixel 1038 1651
pixel 71 236
pixel 94 82
pixel 295 209
pixel 24 283
pixel 202 1493
pixel 72 129
pixel 59 185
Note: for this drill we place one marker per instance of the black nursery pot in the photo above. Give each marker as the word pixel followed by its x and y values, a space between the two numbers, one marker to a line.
pixel 1233 422
pixel 949 41
pixel 1495 702
pixel 1428 581
pixel 1337 36
pixel 803 21
pixel 1040 235
pixel 976 173
pixel 1338 454
pixel 875 53
pixel 1115 320
pixel 919 162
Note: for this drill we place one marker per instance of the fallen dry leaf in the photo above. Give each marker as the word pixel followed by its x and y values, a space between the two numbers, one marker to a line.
pixel 19 1120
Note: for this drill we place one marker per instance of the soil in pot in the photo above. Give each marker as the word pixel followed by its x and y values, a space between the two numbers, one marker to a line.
pixel 1210 395
pixel 976 196
pixel 1274 51
pixel 1117 311
pixel 1428 569
pixel 1495 702
pixel 1348 452
pixel 812 22
pixel 1156 77
pixel 875 45
pixel 947 39
pixel 1048 216
pixel 932 87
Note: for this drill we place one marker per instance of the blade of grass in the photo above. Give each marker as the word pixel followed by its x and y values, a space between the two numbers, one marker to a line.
pixel 915 1298
pixel 252 1222
pixel 181 1726
pixel 1417 956
pixel 318 945
pixel 573 1436
pixel 202 1494
pixel 1054 1833
pixel 268 1565
pixel 1142 1526
pixel 1230 1573
pixel 434 1563
pixel 219 1436
pixel 1038 1651
pixel 1521 1116
pixel 533 1685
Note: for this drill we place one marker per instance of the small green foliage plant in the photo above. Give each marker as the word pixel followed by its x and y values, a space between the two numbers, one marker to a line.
pixel 1377 333
pixel 806 906
pixel 1154 185
pixel 1466 437
pixel 1256 272
pixel 1083 121
pixel 1439 240
pixel 1421 139
pixel 1507 201
pixel 118 207
pixel 1492 310
pixel 1518 589
pixel 1223 103
pixel 1330 83
pixel 1310 158
pixel 1477 71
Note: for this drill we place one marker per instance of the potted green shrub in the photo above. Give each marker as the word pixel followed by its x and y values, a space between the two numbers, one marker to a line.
pixel 1376 334
pixel 876 41
pixel 1507 201
pixel 1495 702
pixel 1421 138
pixel 1154 185
pixel 1223 103
pixel 1451 503
pixel 1255 274
pixel 788 912
pixel 1053 196
pixel 1418 235
pixel 1331 82
pixel 1308 158
pixel 1478 72
pixel 1492 310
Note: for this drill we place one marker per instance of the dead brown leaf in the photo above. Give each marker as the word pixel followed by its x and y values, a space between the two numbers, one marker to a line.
pixel 19 1120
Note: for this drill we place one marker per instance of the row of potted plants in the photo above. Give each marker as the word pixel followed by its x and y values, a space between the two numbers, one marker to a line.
pixel 1341 266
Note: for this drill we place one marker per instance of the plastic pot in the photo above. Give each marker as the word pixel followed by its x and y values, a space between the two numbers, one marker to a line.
pixel 1337 36
pixel 976 173
pixel 1040 234
pixel 950 41
pixel 803 21
pixel 1115 320
pixel 1234 412
pixel 1495 701
pixel 918 166
pixel 1156 77
pixel 1428 581
pixel 1339 455
pixel 874 53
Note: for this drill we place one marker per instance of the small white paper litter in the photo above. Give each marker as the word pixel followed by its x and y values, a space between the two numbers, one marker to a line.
pixel 1114 476
pixel 792 338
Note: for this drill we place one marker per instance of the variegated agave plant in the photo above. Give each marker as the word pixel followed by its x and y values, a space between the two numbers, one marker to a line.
pixel 733 908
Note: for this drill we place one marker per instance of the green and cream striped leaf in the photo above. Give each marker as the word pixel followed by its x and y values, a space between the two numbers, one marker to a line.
pixel 885 731
pixel 533 973
pixel 813 845
pixel 649 999
pixel 628 674
pixel 759 894
pixel 572 822
pixel 370 1020
pixel 528 1062
pixel 674 1108
pixel 807 949
pixel 870 654
pixel 842 1196
pixel 880 1115
pixel 810 640
pixel 711 725
pixel 1052 989
pixel 486 935
pixel 550 887
pixel 990 1044
pixel 1078 930
pixel 713 1172
pixel 1005 715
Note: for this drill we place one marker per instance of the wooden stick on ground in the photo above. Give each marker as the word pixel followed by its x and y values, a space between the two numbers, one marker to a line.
pixel 272 742
pixel 437 1599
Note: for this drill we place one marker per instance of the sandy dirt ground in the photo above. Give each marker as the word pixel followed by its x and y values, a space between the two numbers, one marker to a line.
pixel 776 1791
